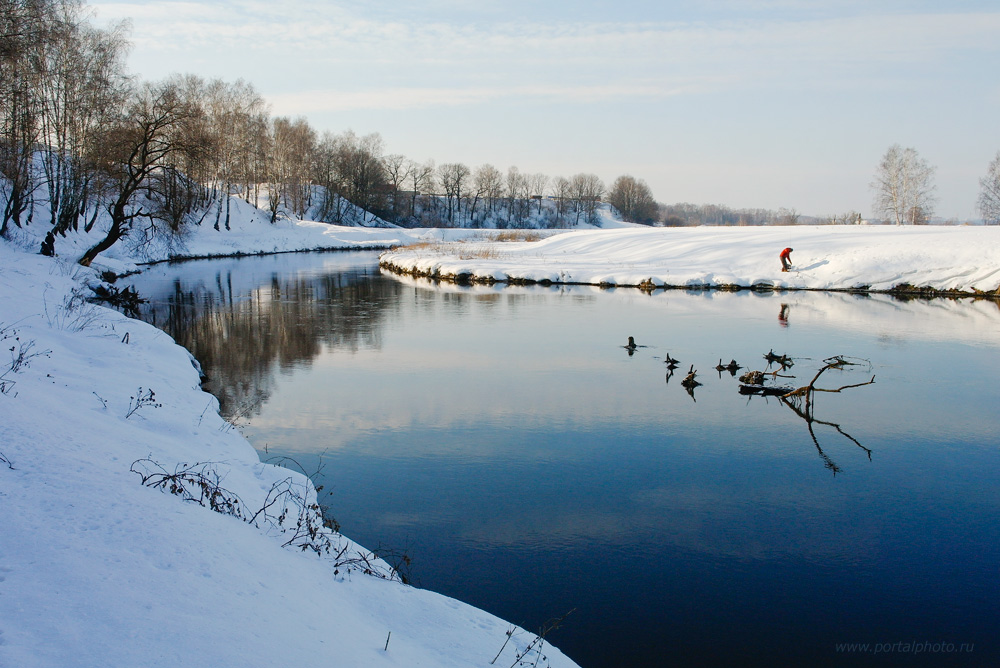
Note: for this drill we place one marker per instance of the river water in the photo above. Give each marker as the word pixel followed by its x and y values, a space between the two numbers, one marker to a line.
pixel 531 465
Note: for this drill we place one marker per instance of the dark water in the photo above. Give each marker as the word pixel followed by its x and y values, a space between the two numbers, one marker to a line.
pixel 530 466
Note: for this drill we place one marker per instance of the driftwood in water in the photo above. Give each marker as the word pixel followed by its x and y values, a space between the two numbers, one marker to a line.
pixel 801 401
pixel 752 382
pixel 807 391
pixel 783 360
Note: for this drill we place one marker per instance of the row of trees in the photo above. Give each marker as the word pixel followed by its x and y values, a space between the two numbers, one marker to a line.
pixel 686 214
pixel 81 135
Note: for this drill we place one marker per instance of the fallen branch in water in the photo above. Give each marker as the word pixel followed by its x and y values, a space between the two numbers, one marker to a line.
pixel 801 400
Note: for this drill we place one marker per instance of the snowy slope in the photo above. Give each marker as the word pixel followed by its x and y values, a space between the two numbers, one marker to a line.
pixel 98 570
pixel 825 257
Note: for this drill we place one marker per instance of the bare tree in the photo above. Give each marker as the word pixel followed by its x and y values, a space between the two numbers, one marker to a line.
pixel 562 192
pixel 633 199
pixel 516 194
pixel 488 182
pixel 84 84
pixel 238 124
pixel 453 177
pixel 421 181
pixel 27 28
pixel 397 171
pixel 989 193
pixel 586 191
pixel 360 170
pixel 787 217
pixel 904 187
pixel 292 145
pixel 482 178
pixel 537 183
pixel 849 218
pixel 144 139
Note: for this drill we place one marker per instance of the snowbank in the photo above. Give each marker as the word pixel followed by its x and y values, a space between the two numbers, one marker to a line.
pixel 98 570
pixel 876 258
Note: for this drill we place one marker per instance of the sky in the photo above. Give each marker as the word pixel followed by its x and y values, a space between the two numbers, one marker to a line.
pixel 771 104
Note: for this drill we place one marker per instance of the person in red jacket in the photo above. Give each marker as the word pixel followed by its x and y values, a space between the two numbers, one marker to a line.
pixel 786 259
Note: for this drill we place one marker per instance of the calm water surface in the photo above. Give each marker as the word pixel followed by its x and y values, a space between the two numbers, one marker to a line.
pixel 505 439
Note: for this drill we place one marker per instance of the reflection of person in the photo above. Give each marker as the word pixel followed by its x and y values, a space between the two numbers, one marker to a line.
pixel 783 315
pixel 786 259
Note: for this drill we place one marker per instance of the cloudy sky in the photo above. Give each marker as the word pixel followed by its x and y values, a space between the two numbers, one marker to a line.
pixel 775 103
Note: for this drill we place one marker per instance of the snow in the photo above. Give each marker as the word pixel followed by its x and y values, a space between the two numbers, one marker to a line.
pixel 97 569
pixel 826 257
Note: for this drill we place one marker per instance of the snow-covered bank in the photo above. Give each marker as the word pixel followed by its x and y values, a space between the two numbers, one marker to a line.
pixel 959 259
pixel 98 570
pixel 249 234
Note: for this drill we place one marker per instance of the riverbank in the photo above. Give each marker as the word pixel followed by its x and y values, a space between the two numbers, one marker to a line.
pixel 98 568
pixel 922 261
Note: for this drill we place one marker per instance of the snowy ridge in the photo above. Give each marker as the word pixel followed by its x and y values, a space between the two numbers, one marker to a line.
pixel 98 570
pixel 825 258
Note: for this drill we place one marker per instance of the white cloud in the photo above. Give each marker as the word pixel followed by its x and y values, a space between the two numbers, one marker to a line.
pixel 419 98
pixel 391 64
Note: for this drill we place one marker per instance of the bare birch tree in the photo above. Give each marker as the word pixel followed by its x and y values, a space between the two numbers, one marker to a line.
pixel 989 193
pixel 903 187
pixel 293 146
pixel 27 27
pixel 84 84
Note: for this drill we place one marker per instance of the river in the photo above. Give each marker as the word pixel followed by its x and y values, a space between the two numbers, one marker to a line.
pixel 507 441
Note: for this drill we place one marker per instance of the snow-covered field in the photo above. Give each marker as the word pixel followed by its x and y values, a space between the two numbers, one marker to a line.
pixel 824 258
pixel 97 569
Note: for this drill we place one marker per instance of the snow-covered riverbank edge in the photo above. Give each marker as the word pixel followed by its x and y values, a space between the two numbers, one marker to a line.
pixel 98 570
pixel 916 260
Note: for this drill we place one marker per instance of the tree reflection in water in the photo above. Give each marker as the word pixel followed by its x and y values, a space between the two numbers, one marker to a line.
pixel 244 338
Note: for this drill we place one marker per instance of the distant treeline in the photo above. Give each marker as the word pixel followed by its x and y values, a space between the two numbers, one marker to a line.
pixel 83 141
pixel 676 215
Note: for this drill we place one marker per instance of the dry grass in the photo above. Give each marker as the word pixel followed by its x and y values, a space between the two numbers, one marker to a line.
pixel 422 245
pixel 480 252
pixel 479 247
pixel 519 235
